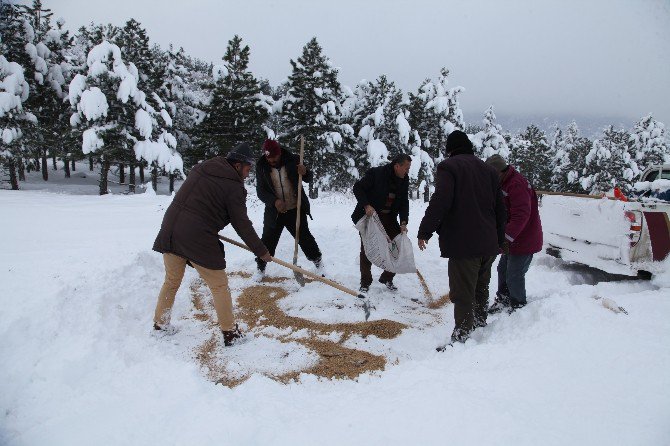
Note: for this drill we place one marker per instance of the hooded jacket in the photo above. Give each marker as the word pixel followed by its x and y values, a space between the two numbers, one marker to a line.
pixel 212 196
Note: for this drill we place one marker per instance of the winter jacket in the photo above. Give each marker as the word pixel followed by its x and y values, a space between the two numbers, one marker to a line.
pixel 212 196
pixel 373 189
pixel 523 229
pixel 266 192
pixel 467 208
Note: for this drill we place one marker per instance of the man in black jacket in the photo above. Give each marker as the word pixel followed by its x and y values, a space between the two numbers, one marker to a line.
pixel 468 212
pixel 383 190
pixel 277 186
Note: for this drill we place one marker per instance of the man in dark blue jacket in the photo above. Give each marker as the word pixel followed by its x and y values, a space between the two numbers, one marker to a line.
pixel 383 190
pixel 277 186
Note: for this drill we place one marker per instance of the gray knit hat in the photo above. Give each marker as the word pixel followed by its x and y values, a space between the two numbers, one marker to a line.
pixel 497 162
pixel 242 153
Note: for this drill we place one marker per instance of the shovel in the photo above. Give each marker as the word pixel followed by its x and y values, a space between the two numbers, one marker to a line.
pixel 298 276
pixel 364 298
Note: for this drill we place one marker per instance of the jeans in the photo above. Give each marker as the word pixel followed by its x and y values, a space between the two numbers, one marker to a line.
pixel 512 271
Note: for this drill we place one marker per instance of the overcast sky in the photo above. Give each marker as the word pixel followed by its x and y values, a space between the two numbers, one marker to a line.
pixel 597 58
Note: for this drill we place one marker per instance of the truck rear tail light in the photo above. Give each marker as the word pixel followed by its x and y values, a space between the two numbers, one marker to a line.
pixel 635 219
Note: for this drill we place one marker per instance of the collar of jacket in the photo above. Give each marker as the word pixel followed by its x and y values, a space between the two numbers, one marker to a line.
pixel 461 151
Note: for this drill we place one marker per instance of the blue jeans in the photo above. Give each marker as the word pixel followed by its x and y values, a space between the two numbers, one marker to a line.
pixel 512 271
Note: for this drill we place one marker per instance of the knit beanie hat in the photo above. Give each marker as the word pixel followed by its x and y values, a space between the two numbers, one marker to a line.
pixel 242 153
pixel 271 148
pixel 458 140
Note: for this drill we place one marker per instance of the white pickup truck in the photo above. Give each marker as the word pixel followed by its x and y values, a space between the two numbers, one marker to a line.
pixel 620 237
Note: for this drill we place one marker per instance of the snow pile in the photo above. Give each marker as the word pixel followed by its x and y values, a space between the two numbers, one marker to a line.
pixel 81 363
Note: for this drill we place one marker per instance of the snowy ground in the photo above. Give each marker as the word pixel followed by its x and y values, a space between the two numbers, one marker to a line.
pixel 80 365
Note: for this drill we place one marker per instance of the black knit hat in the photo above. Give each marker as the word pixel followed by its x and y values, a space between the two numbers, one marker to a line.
pixel 458 140
pixel 242 153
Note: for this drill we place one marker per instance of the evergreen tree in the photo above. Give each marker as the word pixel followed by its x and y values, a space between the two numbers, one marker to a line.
pixel 570 151
pixel 13 92
pixel 435 113
pixel 533 158
pixel 385 118
pixel 311 110
pixel 649 143
pixel 115 116
pixel 238 109
pixel 490 141
pixel 609 163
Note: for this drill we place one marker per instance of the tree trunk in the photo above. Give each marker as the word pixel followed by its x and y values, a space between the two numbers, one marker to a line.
pixel 45 166
pixel 171 182
pixel 12 174
pixel 426 193
pixel 53 160
pixel 74 168
pixel 22 169
pixel 313 191
pixel 131 180
pixel 141 166
pixel 37 163
pixel 122 173
pixel 66 165
pixel 90 163
pixel 104 171
pixel 154 177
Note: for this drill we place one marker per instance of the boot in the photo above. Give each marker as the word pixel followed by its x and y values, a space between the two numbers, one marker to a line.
pixel 501 303
pixel 389 285
pixel 230 337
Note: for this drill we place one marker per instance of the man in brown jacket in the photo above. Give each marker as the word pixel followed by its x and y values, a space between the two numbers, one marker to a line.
pixel 212 196
pixel 468 212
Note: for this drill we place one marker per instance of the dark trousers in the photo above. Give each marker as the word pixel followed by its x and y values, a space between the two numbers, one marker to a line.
pixel 392 228
pixel 512 271
pixel 469 291
pixel 271 234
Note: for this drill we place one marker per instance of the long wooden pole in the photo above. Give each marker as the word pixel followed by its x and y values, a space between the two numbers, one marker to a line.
pixel 304 272
pixel 298 277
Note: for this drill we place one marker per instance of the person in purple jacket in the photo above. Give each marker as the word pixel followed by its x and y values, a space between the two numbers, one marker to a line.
pixel 523 236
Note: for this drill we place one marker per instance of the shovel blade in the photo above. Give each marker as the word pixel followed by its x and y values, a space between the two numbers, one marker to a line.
pixel 299 278
pixel 366 306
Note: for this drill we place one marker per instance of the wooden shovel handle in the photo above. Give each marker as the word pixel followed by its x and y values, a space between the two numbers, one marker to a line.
pixel 298 269
pixel 299 189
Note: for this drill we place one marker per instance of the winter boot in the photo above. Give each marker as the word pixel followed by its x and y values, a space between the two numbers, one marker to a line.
pixel 389 285
pixel 166 329
pixel 231 337
pixel 501 303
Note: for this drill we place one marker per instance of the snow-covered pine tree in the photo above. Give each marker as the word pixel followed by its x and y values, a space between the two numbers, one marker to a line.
pixel 15 120
pixel 569 151
pixel 385 118
pixel 13 92
pixel 115 116
pixel 353 114
pixel 238 109
pixel 533 159
pixel 490 141
pixel 134 43
pixel 609 163
pixel 181 101
pixel 434 113
pixel 311 109
pixel 649 143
